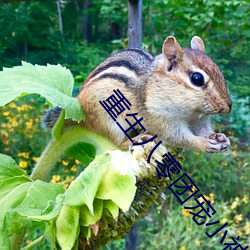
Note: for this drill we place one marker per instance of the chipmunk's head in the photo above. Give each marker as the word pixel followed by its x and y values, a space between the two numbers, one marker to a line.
pixel 195 76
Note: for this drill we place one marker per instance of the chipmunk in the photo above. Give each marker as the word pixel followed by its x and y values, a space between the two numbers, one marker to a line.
pixel 175 93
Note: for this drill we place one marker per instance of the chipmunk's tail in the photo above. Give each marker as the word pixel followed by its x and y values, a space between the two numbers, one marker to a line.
pixel 50 117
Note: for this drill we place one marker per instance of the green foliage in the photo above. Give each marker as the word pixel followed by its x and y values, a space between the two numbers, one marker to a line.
pixel 20 197
pixel 30 32
pixel 81 58
pixel 175 229
pixel 53 82
pixel 223 25
pixel 100 186
pixel 224 180
pixel 238 121
pixel 83 152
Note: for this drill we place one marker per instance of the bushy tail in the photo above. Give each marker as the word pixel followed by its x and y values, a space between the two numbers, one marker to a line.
pixel 50 118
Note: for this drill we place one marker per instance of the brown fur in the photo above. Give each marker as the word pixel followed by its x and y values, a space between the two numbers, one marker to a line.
pixel 160 91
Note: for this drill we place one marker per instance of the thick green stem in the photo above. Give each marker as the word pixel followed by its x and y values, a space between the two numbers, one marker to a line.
pixel 57 147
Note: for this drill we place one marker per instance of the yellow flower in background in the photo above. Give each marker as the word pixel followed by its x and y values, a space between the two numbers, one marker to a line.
pixel 234 152
pixel 70 178
pixel 245 198
pixel 238 218
pixel 35 159
pixel 12 105
pixel 65 163
pixel 23 164
pixel 6 149
pixel 238 232
pixel 14 123
pixel 247 228
pixel 197 242
pixel 224 164
pixel 207 197
pixel 6 113
pixel 55 178
pixel 24 107
pixel 223 221
pixel 6 141
pixel 24 154
pixel 19 108
pixel 185 212
pixel 73 168
pixel 4 134
pixel 193 188
pixel 29 124
pixel 77 162
pixel 235 203
pixel 182 248
pixel 212 196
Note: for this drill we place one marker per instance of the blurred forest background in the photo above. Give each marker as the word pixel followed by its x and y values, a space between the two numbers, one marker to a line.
pixel 79 34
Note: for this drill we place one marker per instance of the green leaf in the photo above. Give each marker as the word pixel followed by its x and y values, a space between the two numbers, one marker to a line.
pixel 6 186
pixel 53 82
pixel 39 194
pixel 13 223
pixel 4 240
pixel 26 202
pixel 67 226
pixel 83 189
pixel 9 168
pixel 112 207
pixel 118 188
pixel 48 216
pixel 57 129
pixel 14 198
pixel 50 234
pixel 86 218
pixel 20 197
pixel 101 180
pixel 11 200
pixel 83 152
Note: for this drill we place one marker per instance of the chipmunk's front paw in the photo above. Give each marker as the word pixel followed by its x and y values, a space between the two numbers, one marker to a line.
pixel 217 142
pixel 139 139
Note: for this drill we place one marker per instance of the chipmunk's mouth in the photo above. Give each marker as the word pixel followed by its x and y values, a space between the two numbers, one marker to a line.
pixel 225 108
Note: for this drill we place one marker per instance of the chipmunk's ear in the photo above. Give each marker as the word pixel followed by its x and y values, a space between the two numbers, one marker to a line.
pixel 171 49
pixel 197 43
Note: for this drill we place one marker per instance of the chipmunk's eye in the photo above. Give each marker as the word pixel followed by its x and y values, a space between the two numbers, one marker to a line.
pixel 197 79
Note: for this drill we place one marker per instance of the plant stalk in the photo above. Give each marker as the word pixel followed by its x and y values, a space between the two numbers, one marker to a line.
pixel 57 147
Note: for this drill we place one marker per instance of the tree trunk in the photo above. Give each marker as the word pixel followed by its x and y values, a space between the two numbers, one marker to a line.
pixel 135 23
pixel 59 16
pixel 85 20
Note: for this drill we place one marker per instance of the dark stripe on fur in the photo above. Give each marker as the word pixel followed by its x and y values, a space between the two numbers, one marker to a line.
pixel 118 77
pixel 119 63
pixel 142 53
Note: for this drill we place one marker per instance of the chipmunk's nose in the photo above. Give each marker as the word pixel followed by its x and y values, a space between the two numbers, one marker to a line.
pixel 226 109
